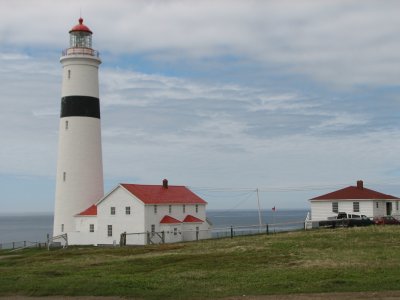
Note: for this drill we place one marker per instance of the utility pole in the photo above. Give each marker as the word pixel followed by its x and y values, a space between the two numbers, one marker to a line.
pixel 259 209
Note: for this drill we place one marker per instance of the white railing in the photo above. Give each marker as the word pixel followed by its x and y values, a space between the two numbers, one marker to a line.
pixel 81 51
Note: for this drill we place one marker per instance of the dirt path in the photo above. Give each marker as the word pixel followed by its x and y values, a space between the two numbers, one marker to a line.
pixel 392 295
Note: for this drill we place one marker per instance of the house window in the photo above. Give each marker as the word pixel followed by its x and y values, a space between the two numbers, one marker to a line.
pixel 64 176
pixel 335 207
pixel 91 228
pixel 175 231
pixel 66 125
pixel 128 210
pixel 62 227
pixel 197 208
pixel 155 209
pixel 109 230
pixel 377 204
pixel 183 208
pixel 153 228
pixel 170 209
pixel 112 210
pixel 356 206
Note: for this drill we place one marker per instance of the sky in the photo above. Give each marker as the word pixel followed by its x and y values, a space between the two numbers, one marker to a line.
pixel 295 98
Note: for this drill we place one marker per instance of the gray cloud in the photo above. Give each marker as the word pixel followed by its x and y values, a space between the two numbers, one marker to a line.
pixel 266 92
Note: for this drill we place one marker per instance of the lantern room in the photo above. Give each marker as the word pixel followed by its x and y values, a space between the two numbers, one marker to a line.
pixel 80 36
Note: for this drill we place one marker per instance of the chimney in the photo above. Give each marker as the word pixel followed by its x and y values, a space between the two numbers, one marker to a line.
pixel 165 183
pixel 360 184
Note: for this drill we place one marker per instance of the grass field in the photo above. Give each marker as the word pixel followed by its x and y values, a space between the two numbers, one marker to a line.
pixel 339 260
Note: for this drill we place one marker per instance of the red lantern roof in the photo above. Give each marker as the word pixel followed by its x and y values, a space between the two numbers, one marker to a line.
pixel 80 27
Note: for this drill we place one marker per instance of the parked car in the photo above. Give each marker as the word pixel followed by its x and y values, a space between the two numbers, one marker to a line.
pixel 346 220
pixel 388 220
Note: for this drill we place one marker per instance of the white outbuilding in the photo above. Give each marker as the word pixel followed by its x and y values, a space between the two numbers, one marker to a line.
pixel 356 200
pixel 135 214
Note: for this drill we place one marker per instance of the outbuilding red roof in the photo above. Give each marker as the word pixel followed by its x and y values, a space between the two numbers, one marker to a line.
pixel 191 219
pixel 358 192
pixel 163 194
pixel 80 27
pixel 91 211
pixel 169 220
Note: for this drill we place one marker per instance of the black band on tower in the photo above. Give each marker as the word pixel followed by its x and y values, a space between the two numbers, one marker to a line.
pixel 80 106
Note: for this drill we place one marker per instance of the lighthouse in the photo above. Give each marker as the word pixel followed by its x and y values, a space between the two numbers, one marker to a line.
pixel 79 181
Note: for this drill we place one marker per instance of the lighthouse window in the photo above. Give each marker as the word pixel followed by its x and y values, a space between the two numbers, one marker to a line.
pixel 91 227
pixel 112 210
pixel 69 74
pixel 66 125
pixel 64 176
pixel 109 230
pixel 62 227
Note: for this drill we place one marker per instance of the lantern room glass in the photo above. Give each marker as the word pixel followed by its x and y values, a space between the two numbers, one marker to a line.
pixel 80 39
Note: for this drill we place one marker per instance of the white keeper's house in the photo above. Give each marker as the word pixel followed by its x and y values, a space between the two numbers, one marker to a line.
pixel 146 213
pixel 356 200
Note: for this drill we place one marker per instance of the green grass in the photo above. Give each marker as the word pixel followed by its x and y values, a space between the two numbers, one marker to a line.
pixel 340 260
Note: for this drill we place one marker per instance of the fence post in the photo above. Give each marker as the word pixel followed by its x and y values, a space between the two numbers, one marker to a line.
pixel 267 229
pixel 24 244
pixel 13 245
pixel 231 231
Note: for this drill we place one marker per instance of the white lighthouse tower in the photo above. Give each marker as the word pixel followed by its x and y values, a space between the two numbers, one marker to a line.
pixel 79 182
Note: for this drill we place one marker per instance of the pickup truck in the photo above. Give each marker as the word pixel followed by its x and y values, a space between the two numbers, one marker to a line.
pixel 346 220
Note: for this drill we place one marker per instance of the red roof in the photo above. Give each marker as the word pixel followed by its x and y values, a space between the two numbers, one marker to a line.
pixel 169 220
pixel 358 192
pixel 80 27
pixel 91 211
pixel 191 219
pixel 158 194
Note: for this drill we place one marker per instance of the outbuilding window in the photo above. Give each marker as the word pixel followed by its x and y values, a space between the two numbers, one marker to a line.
pixel 377 204
pixel 335 207
pixel 153 228
pixel 183 208
pixel 175 231
pixel 356 206
pixel 155 209
pixel 112 210
pixel 109 230
pixel 397 205
pixel 197 208
pixel 91 228
pixel 169 209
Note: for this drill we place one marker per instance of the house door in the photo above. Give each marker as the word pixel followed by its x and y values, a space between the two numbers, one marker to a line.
pixel 388 208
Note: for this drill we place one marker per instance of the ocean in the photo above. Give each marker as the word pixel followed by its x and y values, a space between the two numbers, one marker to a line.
pixel 34 228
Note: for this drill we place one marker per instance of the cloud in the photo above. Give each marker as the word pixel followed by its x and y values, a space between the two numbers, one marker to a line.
pixel 343 43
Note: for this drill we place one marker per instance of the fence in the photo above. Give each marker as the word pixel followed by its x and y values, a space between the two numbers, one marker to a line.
pixel 22 245
pixel 233 231
pixel 143 238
